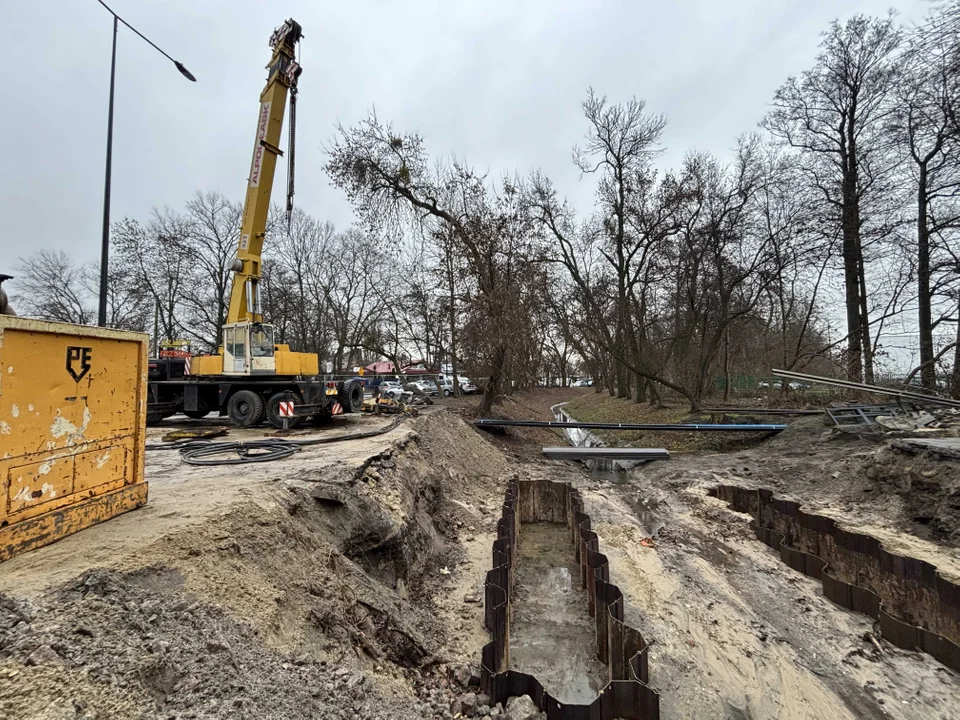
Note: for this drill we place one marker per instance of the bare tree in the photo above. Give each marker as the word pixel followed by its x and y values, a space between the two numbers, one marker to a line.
pixel 212 232
pixel 834 115
pixel 52 288
pixel 159 265
pixel 922 126
pixel 387 177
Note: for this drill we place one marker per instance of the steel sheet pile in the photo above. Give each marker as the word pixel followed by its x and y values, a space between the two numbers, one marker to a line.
pixel 621 647
pixel 916 607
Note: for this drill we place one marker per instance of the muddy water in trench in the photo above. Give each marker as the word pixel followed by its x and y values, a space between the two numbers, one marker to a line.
pixel 552 635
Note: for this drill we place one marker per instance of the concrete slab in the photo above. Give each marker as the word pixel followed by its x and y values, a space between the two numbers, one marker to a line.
pixel 948 447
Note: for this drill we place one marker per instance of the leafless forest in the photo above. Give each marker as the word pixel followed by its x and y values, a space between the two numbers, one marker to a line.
pixel 829 235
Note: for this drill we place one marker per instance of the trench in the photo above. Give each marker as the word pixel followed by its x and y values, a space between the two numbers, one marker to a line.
pixel 530 596
pixel 551 634
pixel 915 606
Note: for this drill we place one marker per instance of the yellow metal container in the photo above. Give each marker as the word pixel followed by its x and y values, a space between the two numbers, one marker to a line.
pixel 72 429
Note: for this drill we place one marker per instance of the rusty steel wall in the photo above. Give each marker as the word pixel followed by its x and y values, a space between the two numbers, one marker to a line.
pixel 621 647
pixel 917 608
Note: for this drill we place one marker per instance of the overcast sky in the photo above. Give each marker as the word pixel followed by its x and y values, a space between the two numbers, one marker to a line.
pixel 497 83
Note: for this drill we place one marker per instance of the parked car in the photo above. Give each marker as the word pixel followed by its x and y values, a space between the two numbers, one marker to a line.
pixel 778 384
pixel 427 387
pixel 445 383
pixel 582 383
pixel 391 389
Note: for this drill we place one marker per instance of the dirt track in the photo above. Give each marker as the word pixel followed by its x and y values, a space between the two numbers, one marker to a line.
pixel 347 582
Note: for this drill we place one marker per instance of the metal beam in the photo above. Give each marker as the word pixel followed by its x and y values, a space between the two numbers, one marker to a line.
pixel 760 411
pixel 850 385
pixel 689 427
pixel 605 453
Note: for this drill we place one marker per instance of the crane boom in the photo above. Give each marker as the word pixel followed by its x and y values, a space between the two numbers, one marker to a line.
pixel 248 343
pixel 282 74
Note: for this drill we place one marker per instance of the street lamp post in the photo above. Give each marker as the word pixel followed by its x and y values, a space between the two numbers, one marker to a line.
pixel 105 243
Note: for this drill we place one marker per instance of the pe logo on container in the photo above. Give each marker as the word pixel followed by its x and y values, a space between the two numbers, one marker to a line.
pixel 78 361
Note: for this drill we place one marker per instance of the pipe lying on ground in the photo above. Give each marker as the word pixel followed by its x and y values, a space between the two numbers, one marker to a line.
pixel 761 411
pixel 695 427
pixel 605 453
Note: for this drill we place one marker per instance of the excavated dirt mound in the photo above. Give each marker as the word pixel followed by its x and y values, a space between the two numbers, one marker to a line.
pixel 347 592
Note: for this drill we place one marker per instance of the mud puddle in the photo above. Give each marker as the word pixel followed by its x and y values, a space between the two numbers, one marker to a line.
pixel 552 635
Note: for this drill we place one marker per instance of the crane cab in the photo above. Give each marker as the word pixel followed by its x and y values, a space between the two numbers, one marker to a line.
pixel 248 349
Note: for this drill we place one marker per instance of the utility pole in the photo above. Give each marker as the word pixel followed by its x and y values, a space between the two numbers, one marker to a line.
pixel 105 241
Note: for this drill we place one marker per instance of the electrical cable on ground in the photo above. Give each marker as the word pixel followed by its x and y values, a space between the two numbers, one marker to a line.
pixel 201 452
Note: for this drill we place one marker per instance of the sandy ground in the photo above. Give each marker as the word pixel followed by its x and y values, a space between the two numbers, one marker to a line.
pixel 346 582
pixel 182 495
pixel 736 633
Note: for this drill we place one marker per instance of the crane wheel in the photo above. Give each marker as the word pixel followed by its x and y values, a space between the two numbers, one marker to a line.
pixel 245 408
pixel 351 396
pixel 273 409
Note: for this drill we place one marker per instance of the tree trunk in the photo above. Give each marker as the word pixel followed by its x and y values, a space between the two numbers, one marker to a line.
pixel 852 255
pixel 156 330
pixel 655 399
pixel 623 381
pixel 865 324
pixel 493 385
pixel 955 377
pixel 928 369
pixel 452 296
pixel 726 365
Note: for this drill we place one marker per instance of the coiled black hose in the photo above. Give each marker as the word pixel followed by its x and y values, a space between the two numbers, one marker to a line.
pixel 202 452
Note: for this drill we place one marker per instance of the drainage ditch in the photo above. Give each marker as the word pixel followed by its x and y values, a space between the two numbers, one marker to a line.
pixel 915 606
pixel 578 437
pixel 618 646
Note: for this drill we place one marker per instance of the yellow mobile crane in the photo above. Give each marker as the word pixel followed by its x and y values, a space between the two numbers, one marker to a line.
pixel 248 346
pixel 251 377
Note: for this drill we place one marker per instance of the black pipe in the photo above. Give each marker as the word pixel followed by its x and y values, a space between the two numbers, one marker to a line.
pixel 706 427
